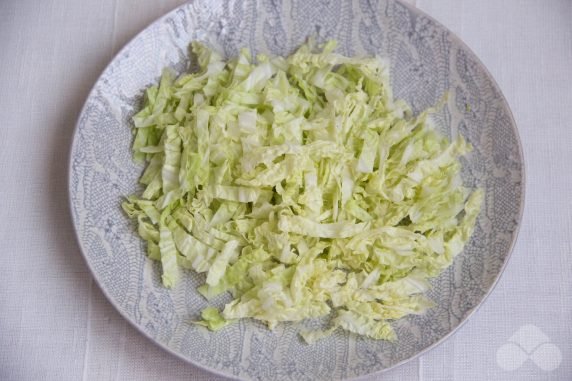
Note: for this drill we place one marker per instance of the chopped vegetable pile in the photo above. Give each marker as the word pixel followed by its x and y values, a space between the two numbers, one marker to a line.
pixel 301 187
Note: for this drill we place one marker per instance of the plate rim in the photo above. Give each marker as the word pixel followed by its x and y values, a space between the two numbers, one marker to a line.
pixel 454 38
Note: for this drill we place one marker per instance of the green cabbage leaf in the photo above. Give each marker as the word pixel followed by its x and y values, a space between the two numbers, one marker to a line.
pixel 300 186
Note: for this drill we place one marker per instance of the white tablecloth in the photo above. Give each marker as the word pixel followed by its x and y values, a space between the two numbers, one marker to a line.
pixel 56 325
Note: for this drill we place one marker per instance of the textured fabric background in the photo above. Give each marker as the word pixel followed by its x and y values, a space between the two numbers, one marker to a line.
pixel 56 325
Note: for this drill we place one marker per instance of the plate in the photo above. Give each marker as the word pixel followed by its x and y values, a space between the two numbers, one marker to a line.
pixel 426 61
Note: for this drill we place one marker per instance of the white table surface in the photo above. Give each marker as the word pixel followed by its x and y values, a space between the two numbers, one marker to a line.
pixel 55 323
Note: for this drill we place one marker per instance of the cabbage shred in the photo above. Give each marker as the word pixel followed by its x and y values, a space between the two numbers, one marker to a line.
pixel 300 186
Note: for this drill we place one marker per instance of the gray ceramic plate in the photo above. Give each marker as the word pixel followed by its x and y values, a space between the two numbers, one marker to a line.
pixel 426 60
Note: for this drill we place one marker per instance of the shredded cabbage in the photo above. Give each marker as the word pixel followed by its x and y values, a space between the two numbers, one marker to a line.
pixel 300 186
